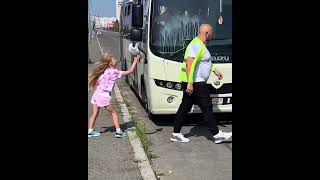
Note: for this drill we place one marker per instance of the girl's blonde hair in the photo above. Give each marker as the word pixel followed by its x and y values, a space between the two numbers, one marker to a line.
pixel 99 69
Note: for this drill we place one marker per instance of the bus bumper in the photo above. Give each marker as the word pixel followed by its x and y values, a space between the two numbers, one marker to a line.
pixel 167 101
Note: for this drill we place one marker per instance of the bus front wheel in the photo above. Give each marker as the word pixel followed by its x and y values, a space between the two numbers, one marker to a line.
pixel 145 101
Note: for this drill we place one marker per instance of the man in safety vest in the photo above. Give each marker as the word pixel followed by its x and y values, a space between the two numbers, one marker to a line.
pixel 194 74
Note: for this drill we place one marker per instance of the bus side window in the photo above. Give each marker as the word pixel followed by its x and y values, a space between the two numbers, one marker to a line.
pixel 129 9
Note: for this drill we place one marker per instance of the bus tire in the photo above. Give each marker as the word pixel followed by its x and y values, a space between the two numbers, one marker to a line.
pixel 144 99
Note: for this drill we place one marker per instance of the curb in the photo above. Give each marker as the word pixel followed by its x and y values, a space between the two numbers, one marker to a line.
pixel 143 161
pixel 140 156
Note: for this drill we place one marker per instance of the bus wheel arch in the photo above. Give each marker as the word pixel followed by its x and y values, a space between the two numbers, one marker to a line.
pixel 144 98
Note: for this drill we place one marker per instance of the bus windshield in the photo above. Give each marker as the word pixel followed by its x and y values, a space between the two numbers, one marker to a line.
pixel 174 23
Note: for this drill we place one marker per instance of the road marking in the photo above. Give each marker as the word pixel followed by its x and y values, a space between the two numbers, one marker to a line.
pixel 100 46
pixel 140 156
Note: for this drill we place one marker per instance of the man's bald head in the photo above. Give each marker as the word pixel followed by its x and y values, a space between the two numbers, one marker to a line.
pixel 205 28
pixel 205 32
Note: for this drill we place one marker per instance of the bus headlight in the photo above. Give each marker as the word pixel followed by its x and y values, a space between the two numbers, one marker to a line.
pixel 178 86
pixel 169 85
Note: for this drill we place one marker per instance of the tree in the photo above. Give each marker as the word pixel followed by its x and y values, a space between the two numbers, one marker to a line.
pixel 116 26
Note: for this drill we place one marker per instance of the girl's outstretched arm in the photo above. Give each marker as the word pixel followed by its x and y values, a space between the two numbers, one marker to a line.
pixel 135 61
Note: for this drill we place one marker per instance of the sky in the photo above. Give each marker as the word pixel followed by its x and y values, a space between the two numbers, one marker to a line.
pixel 105 8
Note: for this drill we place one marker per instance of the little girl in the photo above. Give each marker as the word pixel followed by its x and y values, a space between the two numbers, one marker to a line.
pixel 104 76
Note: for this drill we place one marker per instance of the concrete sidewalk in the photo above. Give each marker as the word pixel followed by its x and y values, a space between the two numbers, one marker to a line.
pixel 108 156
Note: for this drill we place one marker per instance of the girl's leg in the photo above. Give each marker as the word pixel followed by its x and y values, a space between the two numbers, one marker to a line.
pixel 94 116
pixel 114 115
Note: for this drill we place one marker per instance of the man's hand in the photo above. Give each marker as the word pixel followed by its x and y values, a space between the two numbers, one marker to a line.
pixel 189 89
pixel 218 74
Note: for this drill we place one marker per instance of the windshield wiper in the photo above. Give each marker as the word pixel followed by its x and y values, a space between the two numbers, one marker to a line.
pixel 173 54
pixel 223 39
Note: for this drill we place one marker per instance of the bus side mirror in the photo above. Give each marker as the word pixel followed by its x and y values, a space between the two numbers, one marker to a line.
pixel 137 15
pixel 136 34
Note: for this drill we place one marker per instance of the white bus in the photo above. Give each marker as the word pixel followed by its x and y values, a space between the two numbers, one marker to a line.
pixel 165 27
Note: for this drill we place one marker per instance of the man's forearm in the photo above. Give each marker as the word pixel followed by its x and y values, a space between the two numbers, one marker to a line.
pixel 188 72
pixel 133 66
pixel 188 69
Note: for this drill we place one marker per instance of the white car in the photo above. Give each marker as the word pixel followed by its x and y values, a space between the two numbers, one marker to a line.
pixel 98 32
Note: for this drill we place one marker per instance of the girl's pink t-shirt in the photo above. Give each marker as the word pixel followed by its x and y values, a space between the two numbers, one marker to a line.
pixel 107 79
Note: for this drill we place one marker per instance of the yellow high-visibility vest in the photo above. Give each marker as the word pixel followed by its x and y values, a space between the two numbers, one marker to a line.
pixel 197 58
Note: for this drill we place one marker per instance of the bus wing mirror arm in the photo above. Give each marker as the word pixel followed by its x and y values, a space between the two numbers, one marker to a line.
pixel 144 56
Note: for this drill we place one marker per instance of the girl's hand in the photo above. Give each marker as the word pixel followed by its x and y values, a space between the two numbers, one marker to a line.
pixel 137 58
pixel 133 65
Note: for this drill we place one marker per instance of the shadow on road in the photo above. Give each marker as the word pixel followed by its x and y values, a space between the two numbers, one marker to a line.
pixel 201 130
pixel 200 125
pixel 192 119
pixel 156 130
pixel 123 126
